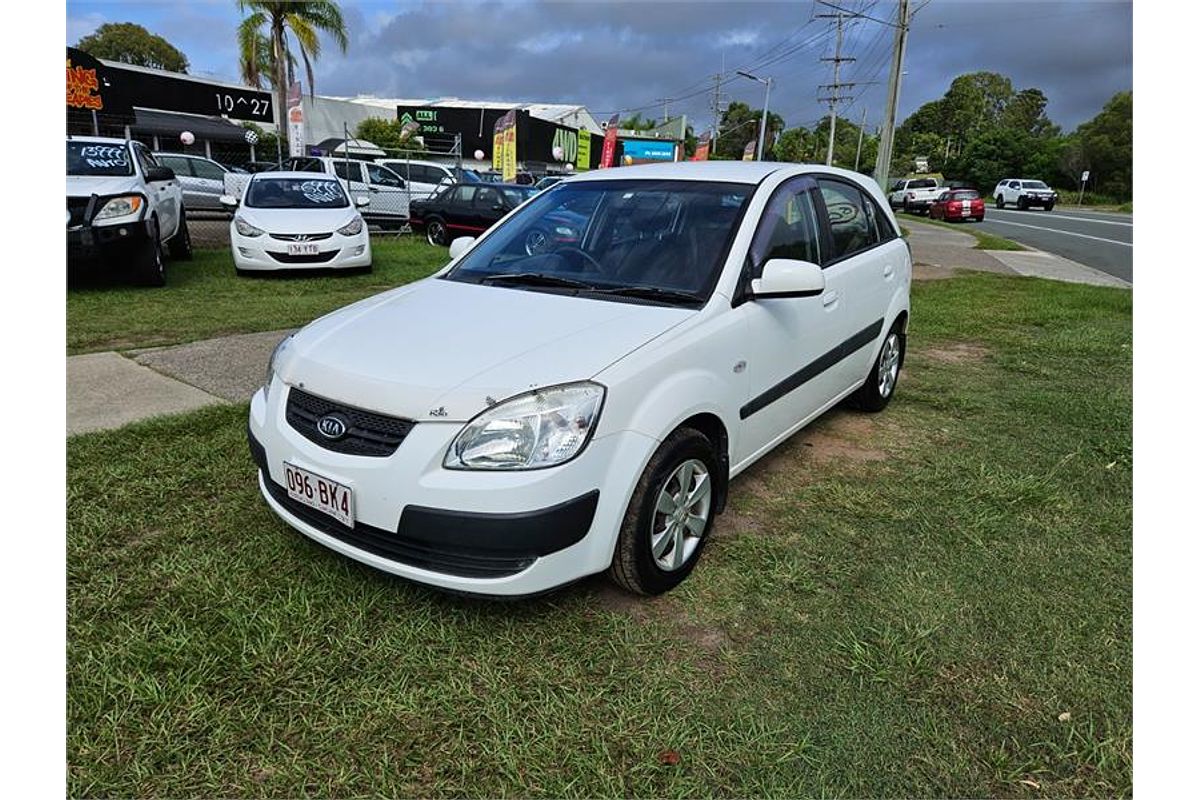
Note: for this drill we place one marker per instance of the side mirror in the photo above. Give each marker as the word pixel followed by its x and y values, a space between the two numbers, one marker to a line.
pixel 362 202
pixel 229 201
pixel 461 245
pixel 156 174
pixel 786 277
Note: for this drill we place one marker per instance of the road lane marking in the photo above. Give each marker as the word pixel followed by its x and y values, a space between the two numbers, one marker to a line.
pixel 1078 219
pixel 1064 233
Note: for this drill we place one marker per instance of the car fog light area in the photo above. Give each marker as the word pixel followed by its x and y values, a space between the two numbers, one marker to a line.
pixel 358 251
pixel 246 251
pixel 530 431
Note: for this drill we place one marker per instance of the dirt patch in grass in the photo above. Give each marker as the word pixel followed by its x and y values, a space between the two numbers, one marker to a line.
pixel 956 353
pixel 930 272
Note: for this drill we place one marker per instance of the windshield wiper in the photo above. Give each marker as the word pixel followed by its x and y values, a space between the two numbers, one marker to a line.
pixel 652 293
pixel 536 279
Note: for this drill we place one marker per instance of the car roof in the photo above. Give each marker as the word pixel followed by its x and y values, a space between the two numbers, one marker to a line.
pixel 749 172
pixel 97 139
pixel 324 176
pixel 412 161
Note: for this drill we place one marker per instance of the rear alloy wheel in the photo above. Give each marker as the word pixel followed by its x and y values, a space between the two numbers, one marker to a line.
pixel 435 233
pixel 876 392
pixel 148 266
pixel 180 245
pixel 669 516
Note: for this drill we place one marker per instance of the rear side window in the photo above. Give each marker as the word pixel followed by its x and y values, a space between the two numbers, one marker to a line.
pixel 464 194
pixel 852 230
pixel 180 166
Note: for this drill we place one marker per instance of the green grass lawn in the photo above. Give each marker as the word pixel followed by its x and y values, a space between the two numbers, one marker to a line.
pixel 205 298
pixel 983 240
pixel 933 601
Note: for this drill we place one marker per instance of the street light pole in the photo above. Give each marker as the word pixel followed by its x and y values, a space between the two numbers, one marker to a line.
pixel 762 125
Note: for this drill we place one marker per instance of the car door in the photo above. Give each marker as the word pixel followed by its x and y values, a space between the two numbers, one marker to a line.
pixel 388 192
pixel 458 209
pixel 489 207
pixel 208 184
pixel 166 198
pixel 789 341
pixel 865 260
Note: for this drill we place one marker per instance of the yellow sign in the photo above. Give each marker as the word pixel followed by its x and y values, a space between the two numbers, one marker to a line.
pixel 497 150
pixel 510 152
pixel 583 154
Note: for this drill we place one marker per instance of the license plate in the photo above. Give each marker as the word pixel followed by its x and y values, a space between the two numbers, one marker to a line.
pixel 966 209
pixel 320 493
pixel 302 249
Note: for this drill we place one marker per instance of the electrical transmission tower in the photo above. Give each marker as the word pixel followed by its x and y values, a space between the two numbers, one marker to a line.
pixel 835 88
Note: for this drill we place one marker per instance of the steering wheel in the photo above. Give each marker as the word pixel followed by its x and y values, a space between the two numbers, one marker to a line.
pixel 587 256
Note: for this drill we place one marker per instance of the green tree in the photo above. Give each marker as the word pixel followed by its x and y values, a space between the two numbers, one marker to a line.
pixel 1107 143
pixel 739 126
pixel 793 145
pixel 845 145
pixel 304 21
pixel 130 43
pixel 637 123
pixel 388 134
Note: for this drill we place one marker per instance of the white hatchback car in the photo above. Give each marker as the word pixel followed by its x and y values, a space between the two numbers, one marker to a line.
pixel 297 220
pixel 516 422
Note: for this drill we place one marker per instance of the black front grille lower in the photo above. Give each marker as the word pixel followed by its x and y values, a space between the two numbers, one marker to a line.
pixel 313 258
pixel 390 545
pixel 77 208
pixel 367 433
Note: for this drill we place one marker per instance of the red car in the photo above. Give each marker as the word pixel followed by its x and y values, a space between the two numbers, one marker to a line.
pixel 957 204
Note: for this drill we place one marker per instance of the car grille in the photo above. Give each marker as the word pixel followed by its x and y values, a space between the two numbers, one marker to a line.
pixel 77 207
pixel 316 258
pixel 368 433
pixel 300 237
pixel 390 545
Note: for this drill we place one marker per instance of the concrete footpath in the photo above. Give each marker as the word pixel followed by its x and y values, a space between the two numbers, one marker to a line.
pixel 109 390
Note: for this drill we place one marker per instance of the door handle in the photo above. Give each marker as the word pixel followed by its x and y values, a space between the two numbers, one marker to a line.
pixel 888 269
pixel 829 298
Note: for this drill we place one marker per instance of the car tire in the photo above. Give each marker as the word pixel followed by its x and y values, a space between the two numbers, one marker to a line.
pixel 685 455
pixel 148 266
pixel 1022 205
pixel 999 201
pixel 906 208
pixel 880 386
pixel 180 245
pixel 435 232
pixel 1049 206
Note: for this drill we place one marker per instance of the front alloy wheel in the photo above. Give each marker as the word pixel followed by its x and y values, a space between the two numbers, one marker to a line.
pixel 681 515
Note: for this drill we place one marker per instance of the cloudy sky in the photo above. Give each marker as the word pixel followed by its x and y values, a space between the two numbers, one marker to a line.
pixel 625 56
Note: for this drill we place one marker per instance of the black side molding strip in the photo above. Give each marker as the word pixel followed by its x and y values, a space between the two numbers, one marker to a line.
pixel 810 371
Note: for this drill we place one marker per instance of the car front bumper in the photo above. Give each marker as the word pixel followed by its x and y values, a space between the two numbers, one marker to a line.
pixel 499 533
pixel 266 254
pixel 93 243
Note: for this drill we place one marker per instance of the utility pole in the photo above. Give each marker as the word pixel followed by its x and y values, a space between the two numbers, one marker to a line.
pixel 883 162
pixel 861 127
pixel 834 98
pixel 666 101
pixel 762 125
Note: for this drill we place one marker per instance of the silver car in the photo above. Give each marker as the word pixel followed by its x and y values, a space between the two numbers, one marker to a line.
pixel 202 179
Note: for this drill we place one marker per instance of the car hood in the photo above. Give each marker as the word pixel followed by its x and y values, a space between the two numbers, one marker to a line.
pixel 444 350
pixel 297 220
pixel 88 185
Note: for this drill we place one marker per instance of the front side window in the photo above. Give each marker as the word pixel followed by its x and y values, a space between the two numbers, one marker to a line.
pixel 180 165
pixel 207 170
pixel 464 194
pixel 788 228
pixel 382 176
pixel 295 193
pixel 655 239
pixel 486 198
pixel 849 225
pixel 144 158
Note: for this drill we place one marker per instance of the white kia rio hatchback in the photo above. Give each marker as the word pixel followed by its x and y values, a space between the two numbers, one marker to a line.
pixel 529 416
pixel 297 220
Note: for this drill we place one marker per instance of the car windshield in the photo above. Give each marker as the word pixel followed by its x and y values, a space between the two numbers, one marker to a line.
pixel 1034 185
pixel 295 193
pixel 964 194
pixel 654 239
pixel 92 158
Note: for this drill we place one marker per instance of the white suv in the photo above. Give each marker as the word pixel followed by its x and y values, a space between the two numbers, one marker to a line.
pixel 123 209
pixel 516 422
pixel 1024 193
pixel 423 177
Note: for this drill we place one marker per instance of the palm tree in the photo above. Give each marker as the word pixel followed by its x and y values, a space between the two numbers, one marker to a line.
pixel 266 54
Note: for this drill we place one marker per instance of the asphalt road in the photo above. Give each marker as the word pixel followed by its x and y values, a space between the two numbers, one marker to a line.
pixel 1095 238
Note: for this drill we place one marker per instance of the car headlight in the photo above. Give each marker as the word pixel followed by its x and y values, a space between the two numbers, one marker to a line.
pixel 351 228
pixel 245 228
pixel 537 429
pixel 279 348
pixel 120 207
